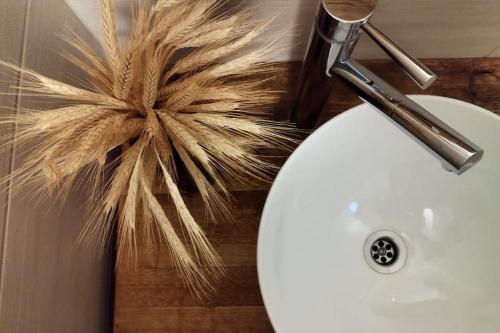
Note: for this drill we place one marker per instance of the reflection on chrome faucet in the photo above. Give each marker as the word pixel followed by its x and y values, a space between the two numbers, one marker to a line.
pixel 337 29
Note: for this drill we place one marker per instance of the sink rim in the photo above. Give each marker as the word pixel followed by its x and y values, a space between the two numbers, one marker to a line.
pixel 347 113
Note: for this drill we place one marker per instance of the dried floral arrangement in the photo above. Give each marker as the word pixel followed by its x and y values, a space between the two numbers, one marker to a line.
pixel 205 111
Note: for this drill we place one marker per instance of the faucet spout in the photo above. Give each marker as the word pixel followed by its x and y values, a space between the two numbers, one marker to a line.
pixel 455 151
pixel 336 32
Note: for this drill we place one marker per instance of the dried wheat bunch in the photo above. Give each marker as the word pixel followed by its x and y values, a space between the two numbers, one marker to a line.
pixel 205 110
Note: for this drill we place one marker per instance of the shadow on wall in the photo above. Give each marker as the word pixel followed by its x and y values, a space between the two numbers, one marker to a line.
pixel 427 28
pixel 48 284
pixel 297 15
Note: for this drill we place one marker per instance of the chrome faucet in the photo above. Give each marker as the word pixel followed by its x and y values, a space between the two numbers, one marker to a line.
pixel 336 31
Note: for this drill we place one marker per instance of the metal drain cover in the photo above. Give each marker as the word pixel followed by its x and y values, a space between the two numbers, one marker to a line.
pixel 385 251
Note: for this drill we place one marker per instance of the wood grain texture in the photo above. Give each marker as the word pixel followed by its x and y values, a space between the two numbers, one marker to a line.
pixel 12 21
pixel 151 298
pixel 437 29
pixel 48 285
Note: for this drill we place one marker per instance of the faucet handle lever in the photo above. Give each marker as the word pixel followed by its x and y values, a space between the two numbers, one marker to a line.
pixel 422 75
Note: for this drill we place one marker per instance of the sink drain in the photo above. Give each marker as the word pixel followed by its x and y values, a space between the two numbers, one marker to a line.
pixel 385 251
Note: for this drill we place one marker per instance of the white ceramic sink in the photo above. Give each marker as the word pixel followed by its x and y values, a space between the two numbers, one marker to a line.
pixel 360 178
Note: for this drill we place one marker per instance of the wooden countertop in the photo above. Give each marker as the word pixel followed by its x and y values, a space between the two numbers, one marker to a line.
pixel 151 298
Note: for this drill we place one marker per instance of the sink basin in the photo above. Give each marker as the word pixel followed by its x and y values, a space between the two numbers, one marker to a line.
pixel 364 231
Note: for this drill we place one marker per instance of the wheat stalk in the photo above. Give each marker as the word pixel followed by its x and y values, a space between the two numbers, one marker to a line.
pixel 110 37
pixel 209 109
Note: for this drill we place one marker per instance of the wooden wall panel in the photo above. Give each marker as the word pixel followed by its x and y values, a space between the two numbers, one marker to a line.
pixel 48 284
pixel 12 20
pixel 427 28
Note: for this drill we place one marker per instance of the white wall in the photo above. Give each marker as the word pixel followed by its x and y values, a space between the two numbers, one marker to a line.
pixel 427 28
